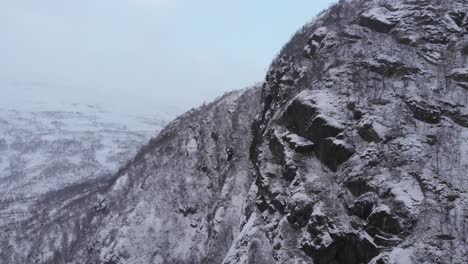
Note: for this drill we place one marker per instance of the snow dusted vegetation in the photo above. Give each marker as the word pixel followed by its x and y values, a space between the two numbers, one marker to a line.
pixel 46 148
pixel 67 145
pixel 353 150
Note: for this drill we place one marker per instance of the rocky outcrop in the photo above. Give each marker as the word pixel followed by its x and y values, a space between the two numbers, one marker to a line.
pixel 364 104
pixel 363 205
pixel 389 66
pixel 369 133
pixel 424 112
pixel 312 115
pixel 460 75
pixel 379 19
pixel 315 42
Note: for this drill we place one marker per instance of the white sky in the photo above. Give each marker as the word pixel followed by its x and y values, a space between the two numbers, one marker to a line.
pixel 141 55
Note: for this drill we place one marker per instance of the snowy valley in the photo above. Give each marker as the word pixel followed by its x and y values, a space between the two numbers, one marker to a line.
pixel 353 150
pixel 45 149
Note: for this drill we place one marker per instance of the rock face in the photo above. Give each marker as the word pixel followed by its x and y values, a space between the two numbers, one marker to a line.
pixel 358 154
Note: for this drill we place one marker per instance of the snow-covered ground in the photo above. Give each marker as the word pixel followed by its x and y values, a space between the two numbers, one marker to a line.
pixel 47 144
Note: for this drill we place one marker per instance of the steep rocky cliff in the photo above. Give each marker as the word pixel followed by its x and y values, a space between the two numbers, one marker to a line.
pixel 354 150
pixel 361 149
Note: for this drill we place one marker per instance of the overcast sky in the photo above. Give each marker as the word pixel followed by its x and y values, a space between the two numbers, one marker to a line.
pixel 142 54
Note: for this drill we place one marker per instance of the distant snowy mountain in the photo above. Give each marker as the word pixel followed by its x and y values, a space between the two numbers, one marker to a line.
pixel 45 148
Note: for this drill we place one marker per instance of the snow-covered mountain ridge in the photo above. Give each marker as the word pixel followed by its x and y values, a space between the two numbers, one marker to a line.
pixel 354 150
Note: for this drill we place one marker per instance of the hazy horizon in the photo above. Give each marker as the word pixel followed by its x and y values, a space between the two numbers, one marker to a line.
pixel 140 54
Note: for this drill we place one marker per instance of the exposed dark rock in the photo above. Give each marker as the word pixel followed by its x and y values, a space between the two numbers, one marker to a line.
pixel 277 148
pixel 214 136
pixel 286 74
pixel 333 152
pixel 363 205
pixel 300 211
pixel 431 53
pixel 445 237
pixel 319 34
pixel 262 204
pixel 454 112
pixel 458 17
pixel 352 33
pixel 321 129
pixel 229 153
pixel 464 48
pixel 452 196
pixel 187 210
pixel 378 19
pixel 356 222
pixel 310 49
pixel 304 118
pixel 359 186
pixel 278 203
pixel 460 75
pixel 382 218
pixel 261 181
pixel 299 144
pixel 314 42
pixel 357 113
pixel 101 206
pixel 435 35
pixel 204 169
pixel 405 37
pixel 289 172
pixel 345 249
pixel 457 117
pixel 367 132
pixel 424 112
pixel 298 116
pixel 389 66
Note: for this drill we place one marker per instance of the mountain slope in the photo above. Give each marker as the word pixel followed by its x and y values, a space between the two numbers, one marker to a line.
pixel 180 199
pixel 358 155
